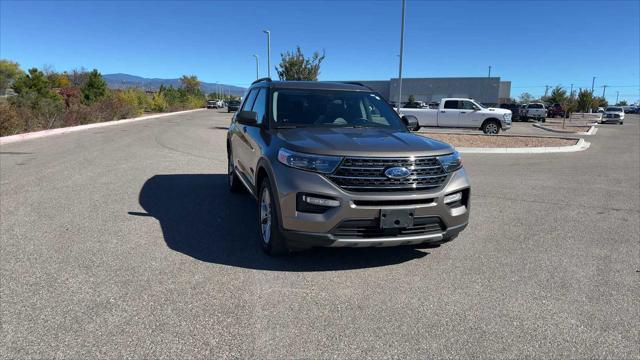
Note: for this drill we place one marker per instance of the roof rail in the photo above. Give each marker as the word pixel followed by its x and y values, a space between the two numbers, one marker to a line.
pixel 356 83
pixel 268 79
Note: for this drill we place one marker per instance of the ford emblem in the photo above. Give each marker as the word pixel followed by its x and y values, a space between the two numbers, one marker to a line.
pixel 397 172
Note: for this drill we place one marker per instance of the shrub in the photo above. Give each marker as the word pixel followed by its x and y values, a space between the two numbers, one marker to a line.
pixel 94 88
pixel 159 102
pixel 10 123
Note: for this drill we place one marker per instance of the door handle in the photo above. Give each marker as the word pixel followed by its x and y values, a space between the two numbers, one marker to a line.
pixel 463 112
pixel 443 111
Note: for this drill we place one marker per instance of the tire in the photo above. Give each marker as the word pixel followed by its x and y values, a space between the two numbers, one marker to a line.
pixel 232 178
pixel 491 127
pixel 271 239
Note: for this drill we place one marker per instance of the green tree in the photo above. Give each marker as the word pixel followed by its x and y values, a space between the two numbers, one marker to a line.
pixel 584 100
pixel 94 88
pixel 294 65
pixel 558 95
pixel 622 103
pixel 9 71
pixel 34 82
pixel 526 98
pixel 190 83
pixel 599 101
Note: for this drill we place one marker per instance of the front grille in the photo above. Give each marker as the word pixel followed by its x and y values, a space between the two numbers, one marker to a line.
pixel 370 228
pixel 367 174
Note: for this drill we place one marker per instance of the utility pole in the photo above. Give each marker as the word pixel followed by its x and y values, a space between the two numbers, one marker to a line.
pixel 604 90
pixel 593 82
pixel 617 95
pixel 571 92
pixel 401 53
pixel 489 71
pixel 546 90
pixel 268 52
pixel 257 67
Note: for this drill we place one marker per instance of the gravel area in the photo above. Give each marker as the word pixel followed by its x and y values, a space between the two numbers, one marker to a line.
pixel 487 141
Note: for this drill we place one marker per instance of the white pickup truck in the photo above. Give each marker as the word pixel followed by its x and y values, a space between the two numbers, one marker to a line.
pixel 460 112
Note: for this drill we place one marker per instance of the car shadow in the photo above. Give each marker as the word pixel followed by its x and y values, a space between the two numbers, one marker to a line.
pixel 201 219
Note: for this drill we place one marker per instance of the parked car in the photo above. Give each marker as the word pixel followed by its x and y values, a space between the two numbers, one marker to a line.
pixel 515 110
pixel 415 105
pixel 467 113
pixel 332 164
pixel 630 109
pixel 535 111
pixel 600 109
pixel 233 105
pixel 555 110
pixel 613 114
pixel 215 104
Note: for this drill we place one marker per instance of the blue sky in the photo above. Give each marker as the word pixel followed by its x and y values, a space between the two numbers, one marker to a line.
pixel 533 44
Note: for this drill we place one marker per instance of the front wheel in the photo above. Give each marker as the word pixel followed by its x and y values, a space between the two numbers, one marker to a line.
pixel 491 127
pixel 232 177
pixel 272 241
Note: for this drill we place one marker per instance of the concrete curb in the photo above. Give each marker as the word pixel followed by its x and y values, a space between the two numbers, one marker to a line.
pixel 65 130
pixel 581 145
pixel 592 130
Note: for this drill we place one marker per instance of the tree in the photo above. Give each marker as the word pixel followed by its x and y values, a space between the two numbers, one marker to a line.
pixel 9 71
pixel 94 88
pixel 558 95
pixel 294 65
pixel 33 83
pixel 585 100
pixel 622 103
pixel 599 101
pixel 526 98
pixel 190 83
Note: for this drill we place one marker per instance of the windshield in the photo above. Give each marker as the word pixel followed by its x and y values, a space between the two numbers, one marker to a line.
pixel 332 108
pixel 614 109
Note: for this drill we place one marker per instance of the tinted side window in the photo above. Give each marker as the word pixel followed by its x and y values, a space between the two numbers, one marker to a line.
pixel 451 104
pixel 248 102
pixel 467 105
pixel 260 105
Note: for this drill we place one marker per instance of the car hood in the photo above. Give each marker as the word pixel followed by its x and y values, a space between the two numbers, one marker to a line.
pixel 360 142
pixel 497 110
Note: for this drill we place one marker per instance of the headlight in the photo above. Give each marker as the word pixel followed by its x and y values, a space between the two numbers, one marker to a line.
pixel 319 163
pixel 451 162
pixel 507 116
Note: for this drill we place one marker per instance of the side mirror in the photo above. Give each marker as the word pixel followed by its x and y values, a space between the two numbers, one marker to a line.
pixel 247 118
pixel 411 122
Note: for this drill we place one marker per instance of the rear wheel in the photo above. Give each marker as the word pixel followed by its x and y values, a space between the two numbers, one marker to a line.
pixel 272 241
pixel 491 127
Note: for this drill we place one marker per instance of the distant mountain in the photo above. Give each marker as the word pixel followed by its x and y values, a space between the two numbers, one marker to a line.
pixel 123 81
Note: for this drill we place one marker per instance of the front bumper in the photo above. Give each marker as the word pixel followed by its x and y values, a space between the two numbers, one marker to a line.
pixel 303 230
pixel 506 124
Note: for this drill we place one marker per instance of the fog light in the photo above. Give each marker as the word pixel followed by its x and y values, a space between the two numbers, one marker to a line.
pixel 320 202
pixel 453 198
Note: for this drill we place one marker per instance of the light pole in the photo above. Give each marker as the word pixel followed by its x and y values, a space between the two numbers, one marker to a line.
pixel 489 71
pixel 268 52
pixel 571 92
pixel 257 66
pixel 617 94
pixel 401 53
pixel 604 90
pixel 593 82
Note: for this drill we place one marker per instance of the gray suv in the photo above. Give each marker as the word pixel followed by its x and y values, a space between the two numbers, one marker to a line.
pixel 332 164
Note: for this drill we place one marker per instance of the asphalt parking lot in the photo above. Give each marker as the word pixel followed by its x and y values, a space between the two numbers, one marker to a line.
pixel 124 242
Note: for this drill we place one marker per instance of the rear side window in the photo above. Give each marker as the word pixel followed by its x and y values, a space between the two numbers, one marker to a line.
pixel 535 106
pixel 451 104
pixel 260 104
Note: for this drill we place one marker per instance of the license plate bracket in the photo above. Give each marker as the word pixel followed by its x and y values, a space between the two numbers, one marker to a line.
pixel 396 218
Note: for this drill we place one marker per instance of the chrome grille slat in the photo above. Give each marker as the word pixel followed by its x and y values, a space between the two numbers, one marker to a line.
pixel 367 174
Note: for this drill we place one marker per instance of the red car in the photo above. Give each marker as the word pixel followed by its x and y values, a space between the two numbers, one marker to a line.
pixel 555 110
